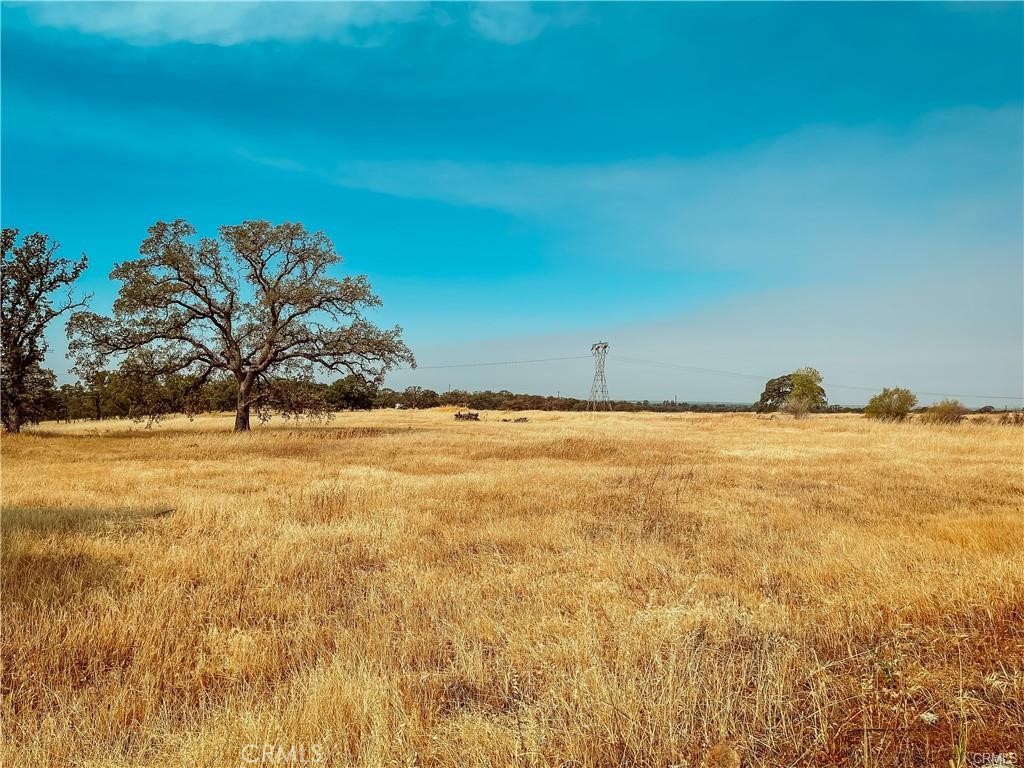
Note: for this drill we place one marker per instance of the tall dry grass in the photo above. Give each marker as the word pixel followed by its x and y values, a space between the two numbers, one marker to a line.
pixel 397 588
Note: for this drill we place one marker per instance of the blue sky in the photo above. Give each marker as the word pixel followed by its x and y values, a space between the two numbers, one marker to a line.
pixel 744 187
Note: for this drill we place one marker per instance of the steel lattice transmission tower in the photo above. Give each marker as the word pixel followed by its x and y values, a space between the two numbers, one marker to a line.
pixel 599 389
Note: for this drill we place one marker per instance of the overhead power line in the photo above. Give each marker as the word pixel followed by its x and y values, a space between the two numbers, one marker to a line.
pixel 502 362
pixel 830 383
pixel 690 368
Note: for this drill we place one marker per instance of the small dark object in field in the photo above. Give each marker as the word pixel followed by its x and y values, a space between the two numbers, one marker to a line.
pixel 163 512
pixel 470 416
pixel 520 420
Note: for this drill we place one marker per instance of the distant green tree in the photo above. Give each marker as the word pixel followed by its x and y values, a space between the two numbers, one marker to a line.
pixel 296 397
pixel 351 393
pixel 891 404
pixel 219 394
pixel 426 398
pixel 74 402
pixel 100 391
pixel 807 394
pixel 775 393
pixel 410 397
pixel 798 393
pixel 386 397
pixel 41 398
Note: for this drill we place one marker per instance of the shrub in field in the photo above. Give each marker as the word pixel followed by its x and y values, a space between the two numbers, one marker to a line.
pixel 807 394
pixel 891 404
pixel 797 407
pixel 1012 419
pixel 945 412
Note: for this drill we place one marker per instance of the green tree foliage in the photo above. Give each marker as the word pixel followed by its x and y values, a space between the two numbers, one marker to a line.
pixel 891 404
pixel 352 393
pixel 295 398
pixel 807 386
pixel 219 394
pixel 385 397
pixel 41 398
pixel 418 397
pixel 807 394
pixel 775 393
pixel 35 289
pixel 101 393
pixel 257 305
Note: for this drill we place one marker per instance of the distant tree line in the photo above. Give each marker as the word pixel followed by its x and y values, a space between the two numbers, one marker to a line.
pixel 124 394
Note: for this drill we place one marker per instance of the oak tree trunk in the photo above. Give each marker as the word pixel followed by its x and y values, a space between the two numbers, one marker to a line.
pixel 243 405
pixel 14 417
pixel 242 418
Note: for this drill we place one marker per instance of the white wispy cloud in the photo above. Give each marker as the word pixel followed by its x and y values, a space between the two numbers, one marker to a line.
pixel 228 23
pixel 508 22
pixel 225 23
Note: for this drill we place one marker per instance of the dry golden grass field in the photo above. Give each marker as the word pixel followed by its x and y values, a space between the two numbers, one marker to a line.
pixel 400 589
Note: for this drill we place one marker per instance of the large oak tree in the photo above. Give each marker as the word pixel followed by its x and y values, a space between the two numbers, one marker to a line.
pixel 36 289
pixel 258 303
